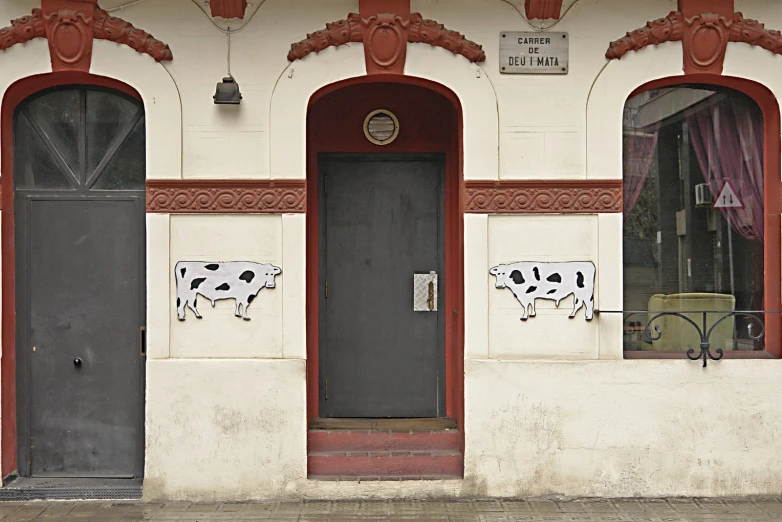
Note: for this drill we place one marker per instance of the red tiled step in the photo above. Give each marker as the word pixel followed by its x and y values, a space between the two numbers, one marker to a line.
pixel 385 464
pixel 347 441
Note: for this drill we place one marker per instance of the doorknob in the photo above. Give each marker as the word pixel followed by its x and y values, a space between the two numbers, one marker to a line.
pixel 77 362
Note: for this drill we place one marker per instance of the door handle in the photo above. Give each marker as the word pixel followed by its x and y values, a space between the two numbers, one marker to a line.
pixel 77 362
pixel 430 301
pixel 142 341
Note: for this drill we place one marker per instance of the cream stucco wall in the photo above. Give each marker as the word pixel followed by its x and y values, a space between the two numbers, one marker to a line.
pixel 551 407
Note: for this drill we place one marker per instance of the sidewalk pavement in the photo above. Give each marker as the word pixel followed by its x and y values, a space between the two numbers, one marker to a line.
pixel 629 510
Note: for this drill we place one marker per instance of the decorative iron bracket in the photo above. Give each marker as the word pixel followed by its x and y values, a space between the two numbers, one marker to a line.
pixel 704 330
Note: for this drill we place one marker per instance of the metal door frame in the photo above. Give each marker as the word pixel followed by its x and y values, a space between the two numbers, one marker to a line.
pixel 442 269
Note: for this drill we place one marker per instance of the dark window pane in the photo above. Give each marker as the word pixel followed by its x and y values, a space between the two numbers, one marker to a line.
pixel 34 167
pixel 107 116
pixel 127 169
pixel 683 149
pixel 57 114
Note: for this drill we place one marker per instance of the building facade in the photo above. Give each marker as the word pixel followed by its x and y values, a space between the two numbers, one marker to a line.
pixel 442 248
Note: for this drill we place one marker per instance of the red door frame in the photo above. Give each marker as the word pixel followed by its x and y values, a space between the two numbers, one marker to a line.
pixel 772 242
pixel 16 94
pixel 355 142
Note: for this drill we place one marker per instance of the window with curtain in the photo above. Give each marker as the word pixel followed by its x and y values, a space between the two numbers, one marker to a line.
pixel 693 234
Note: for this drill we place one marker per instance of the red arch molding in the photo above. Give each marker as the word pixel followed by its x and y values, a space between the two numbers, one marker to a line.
pixel 771 178
pixel 451 144
pixel 15 94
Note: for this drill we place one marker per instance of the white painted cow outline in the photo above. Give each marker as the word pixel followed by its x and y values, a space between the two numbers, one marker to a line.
pixel 529 280
pixel 218 280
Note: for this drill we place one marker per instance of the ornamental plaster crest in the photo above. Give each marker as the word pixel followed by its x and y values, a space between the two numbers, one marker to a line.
pixel 70 26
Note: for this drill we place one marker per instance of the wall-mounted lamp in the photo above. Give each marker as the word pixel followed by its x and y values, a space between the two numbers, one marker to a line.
pixel 227 92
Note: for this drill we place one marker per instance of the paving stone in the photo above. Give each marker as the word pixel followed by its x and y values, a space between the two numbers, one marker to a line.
pixel 507 510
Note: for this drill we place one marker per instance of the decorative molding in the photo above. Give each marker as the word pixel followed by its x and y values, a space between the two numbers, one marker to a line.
pixel 70 27
pixel 668 29
pixel 384 37
pixel 117 30
pixel 23 30
pixel 543 9
pixel 69 31
pixel 228 8
pixel 435 34
pixel 385 43
pixel 226 196
pixel 704 37
pixel 543 197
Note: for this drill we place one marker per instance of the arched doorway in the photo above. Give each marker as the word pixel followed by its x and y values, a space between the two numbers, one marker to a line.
pixel 383 214
pixel 79 168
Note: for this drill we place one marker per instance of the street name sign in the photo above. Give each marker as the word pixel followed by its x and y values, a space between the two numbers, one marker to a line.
pixel 534 53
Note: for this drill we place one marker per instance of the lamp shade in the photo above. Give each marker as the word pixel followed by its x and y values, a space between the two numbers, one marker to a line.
pixel 228 92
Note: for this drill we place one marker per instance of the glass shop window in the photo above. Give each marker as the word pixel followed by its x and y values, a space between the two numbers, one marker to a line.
pixel 693 235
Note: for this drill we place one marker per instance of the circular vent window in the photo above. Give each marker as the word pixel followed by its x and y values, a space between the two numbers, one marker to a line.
pixel 381 127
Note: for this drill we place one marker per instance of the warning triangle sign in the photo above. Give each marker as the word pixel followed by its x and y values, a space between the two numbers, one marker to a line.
pixel 727 197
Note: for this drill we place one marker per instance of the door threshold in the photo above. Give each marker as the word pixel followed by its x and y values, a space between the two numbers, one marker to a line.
pixel 412 424
pixel 61 488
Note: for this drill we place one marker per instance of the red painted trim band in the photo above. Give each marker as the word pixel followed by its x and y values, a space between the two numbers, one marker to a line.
pixel 226 196
pixel 543 197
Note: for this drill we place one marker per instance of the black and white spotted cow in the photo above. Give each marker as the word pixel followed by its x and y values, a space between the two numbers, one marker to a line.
pixel 239 280
pixel 529 281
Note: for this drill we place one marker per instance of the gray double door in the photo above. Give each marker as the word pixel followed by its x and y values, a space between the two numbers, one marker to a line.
pixel 79 174
pixel 381 222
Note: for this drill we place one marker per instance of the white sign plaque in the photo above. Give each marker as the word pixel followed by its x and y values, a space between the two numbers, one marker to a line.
pixel 534 53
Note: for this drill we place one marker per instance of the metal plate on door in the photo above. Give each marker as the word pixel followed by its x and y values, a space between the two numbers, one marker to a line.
pixel 425 292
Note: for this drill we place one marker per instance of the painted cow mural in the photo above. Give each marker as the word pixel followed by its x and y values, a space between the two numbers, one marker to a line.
pixel 555 281
pixel 239 280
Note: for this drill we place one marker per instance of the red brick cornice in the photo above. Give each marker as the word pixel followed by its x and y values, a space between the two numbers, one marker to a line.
pixel 543 197
pixel 226 196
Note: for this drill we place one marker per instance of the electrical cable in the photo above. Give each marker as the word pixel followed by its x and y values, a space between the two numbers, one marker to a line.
pixel 123 6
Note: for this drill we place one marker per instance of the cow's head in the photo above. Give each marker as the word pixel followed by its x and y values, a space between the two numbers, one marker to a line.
pixel 268 275
pixel 506 275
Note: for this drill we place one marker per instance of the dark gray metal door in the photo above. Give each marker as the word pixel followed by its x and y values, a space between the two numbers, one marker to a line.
pixel 381 223
pixel 79 169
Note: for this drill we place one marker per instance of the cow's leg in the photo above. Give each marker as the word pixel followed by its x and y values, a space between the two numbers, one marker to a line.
pixel 181 301
pixel 590 307
pixel 524 314
pixel 238 309
pixel 576 306
pixel 532 312
pixel 245 304
pixel 191 303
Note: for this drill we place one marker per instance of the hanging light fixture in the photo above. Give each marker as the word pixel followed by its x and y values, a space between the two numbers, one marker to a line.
pixel 227 92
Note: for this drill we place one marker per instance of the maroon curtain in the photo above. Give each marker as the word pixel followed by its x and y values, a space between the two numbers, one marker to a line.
pixel 728 141
pixel 638 146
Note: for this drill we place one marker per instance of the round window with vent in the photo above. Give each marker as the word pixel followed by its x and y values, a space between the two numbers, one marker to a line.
pixel 381 127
